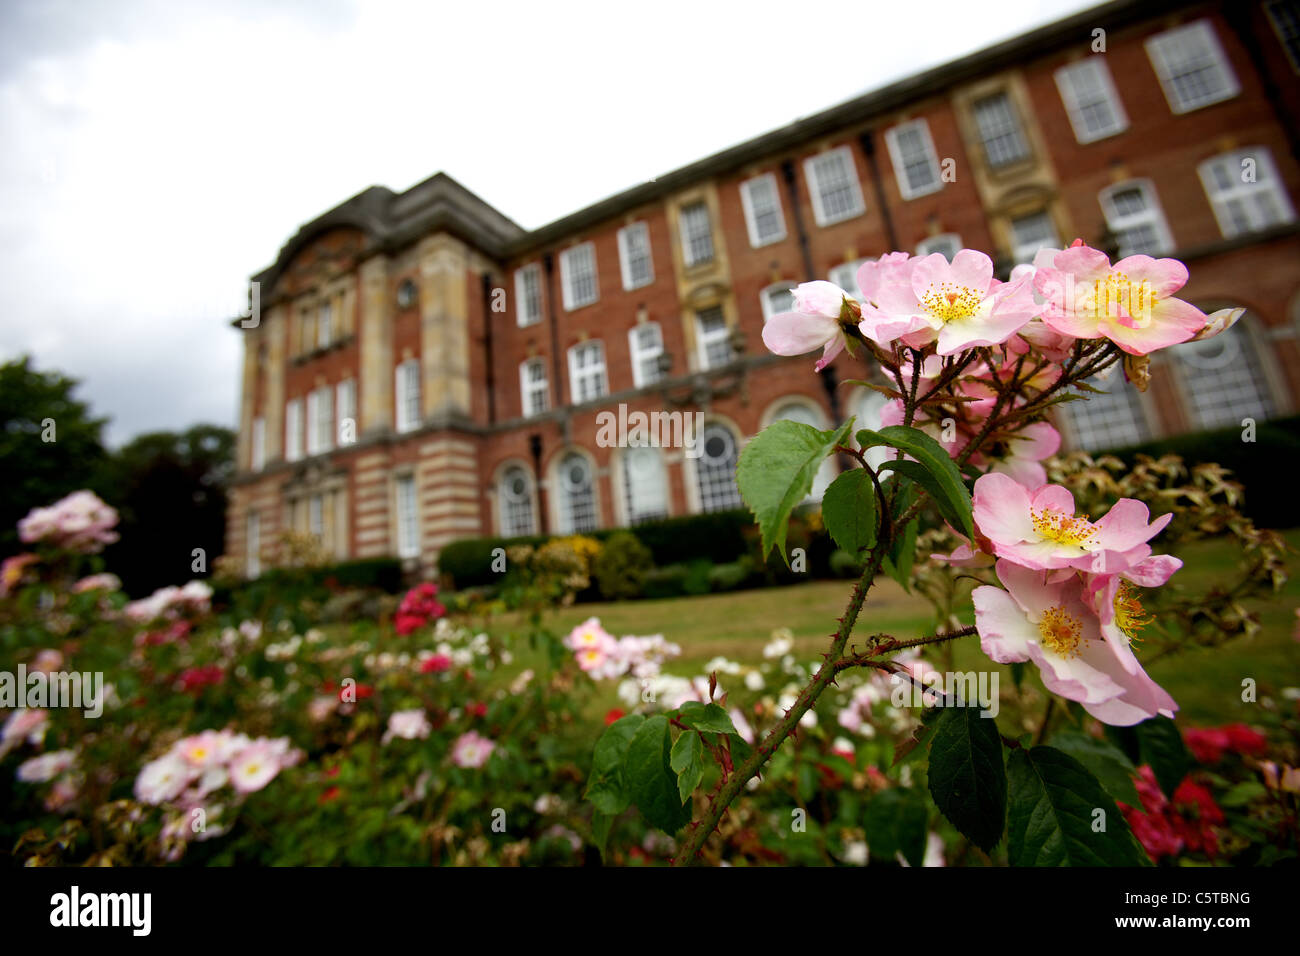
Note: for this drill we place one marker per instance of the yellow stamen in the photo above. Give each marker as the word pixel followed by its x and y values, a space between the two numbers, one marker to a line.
pixel 1117 295
pixel 1075 530
pixel 1061 631
pixel 950 303
pixel 1130 615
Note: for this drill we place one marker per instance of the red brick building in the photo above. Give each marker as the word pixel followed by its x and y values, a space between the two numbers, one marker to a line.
pixel 423 369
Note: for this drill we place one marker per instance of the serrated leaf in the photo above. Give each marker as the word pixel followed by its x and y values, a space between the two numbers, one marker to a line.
pixel 897 822
pixel 948 488
pixel 902 547
pixel 1051 809
pixel 917 473
pixel 706 717
pixel 1161 745
pixel 1107 763
pixel 968 781
pixel 849 510
pixel 607 787
pixel 687 761
pixel 776 472
pixel 650 778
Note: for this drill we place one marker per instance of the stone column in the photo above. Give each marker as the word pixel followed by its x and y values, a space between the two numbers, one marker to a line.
pixel 375 390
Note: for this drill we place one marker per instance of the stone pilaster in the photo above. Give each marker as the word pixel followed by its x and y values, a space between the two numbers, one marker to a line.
pixel 444 326
pixel 375 390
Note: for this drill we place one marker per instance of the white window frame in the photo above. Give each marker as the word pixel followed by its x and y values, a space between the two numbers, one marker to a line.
pixel 325 324
pixel 1016 127
pixel 1115 419
pixel 715 486
pixel 293 430
pixel 630 281
pixel 320 420
pixel 528 388
pixel 406 389
pixel 652 503
pixel 1161 49
pixel 685 224
pixel 905 188
pixel 845 155
pixel 568 259
pixel 257 443
pixel 1018 255
pixel 756 239
pixel 765 298
pixel 576 515
pixel 345 401
pixel 1076 80
pixel 1267 183
pixel 524 316
pixel 407 514
pixel 704 339
pixel 926 247
pixel 1153 216
pixel 640 355
pixel 849 272
pixel 596 371
pixel 509 523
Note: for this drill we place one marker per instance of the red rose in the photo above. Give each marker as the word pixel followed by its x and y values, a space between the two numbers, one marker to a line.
pixel 615 713
pixel 436 664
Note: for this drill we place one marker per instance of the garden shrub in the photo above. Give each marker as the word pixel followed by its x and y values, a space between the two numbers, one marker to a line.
pixel 621 567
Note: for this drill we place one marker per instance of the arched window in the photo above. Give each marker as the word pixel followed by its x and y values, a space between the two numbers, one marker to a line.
pixel 1222 379
pixel 800 411
pixel 645 490
pixel 577 490
pixel 715 469
pixel 1106 421
pixel 515 494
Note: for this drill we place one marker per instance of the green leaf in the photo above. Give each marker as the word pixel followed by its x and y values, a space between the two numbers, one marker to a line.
pixel 948 488
pixel 1106 762
pixel 706 717
pixel 687 761
pixel 1051 814
pixel 917 473
pixel 849 510
pixel 897 822
pixel 650 778
pixel 920 739
pixel 1161 745
pixel 601 824
pixel 1243 793
pixel 607 786
pixel 776 472
pixel 902 548
pixel 967 778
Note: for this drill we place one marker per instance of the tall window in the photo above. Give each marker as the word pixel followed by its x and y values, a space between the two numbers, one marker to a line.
pixel 645 345
pixel 587 379
pixel 634 256
pixel 320 420
pixel 833 183
pixel 1134 216
pixel 325 324
pixel 307 331
pixel 407 387
pixel 316 517
pixel 1000 131
pixel 258 451
pixel 715 469
pixel 346 400
pixel 1285 15
pixel 1222 380
pixel 845 275
pixel 1090 100
pixel 293 430
pixel 253 545
pixel 577 495
pixel 1192 67
pixel 713 338
pixel 764 218
pixel 408 519
pixel 916 166
pixel 1112 418
pixel 578 276
pixel 528 295
pixel 697 234
pixel 534 389
pixel 515 493
pixel 645 489
pixel 948 244
pixel 1246 192
pixel 776 299
pixel 1031 233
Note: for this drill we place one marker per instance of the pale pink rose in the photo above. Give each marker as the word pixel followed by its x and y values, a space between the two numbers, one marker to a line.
pixel 98 582
pixel 163 779
pixel 80 523
pixel 47 660
pixel 813 323
pixel 23 723
pixel 408 725
pixel 1026 450
pixel 254 767
pixel 203 750
pixel 471 750
pixel 46 767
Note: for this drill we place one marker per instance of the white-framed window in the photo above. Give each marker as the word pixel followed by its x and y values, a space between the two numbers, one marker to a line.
pixel 528 295
pixel 715 469
pixel 320 420
pixel 1090 100
pixel 257 453
pixel 325 324
pixel 1135 218
pixel 407 393
pixel 764 217
pixel 634 256
pixel 1246 192
pixel 834 187
pixel 587 380
pixel 1031 233
pixel 293 430
pixel 515 496
pixel 645 486
pixel 1285 16
pixel 697 234
pixel 1222 381
pixel 776 298
pixel 408 518
pixel 948 244
pixel 578 276
pixel 1110 419
pixel 346 402
pixel 645 344
pixel 845 275
pixel 253 545
pixel 712 337
pixel 1000 131
pixel 1192 67
pixel 577 489
pixel 316 516
pixel 916 165
pixel 534 389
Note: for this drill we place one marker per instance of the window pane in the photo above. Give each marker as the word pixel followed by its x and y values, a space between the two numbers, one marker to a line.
pixel 515 492
pixel 697 234
pixel 577 495
pixel 715 470
pixel 1223 381
pixel 999 130
pixel 643 485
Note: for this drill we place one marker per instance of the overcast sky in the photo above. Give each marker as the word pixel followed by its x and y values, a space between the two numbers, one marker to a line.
pixel 156 154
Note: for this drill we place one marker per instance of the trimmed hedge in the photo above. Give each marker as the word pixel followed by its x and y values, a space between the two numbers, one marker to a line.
pixel 290 586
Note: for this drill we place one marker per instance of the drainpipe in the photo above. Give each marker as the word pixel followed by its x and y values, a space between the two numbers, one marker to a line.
pixel 535 448
pixel 869 150
pixel 487 349
pixel 792 190
pixel 548 263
